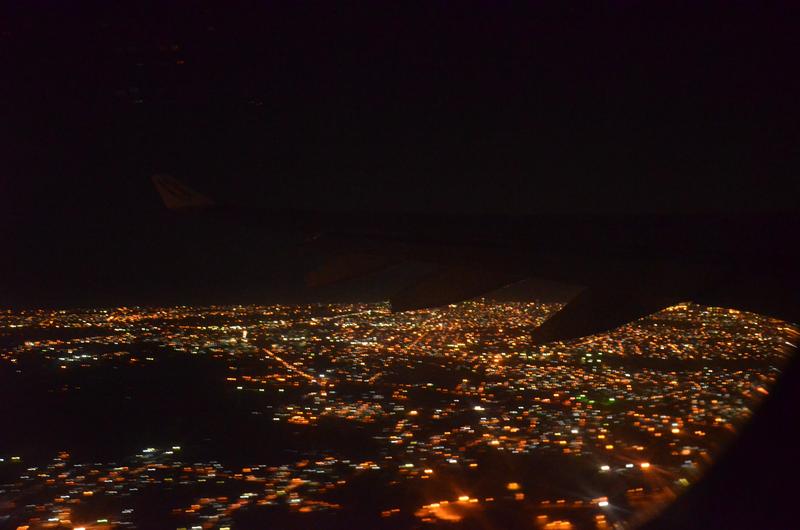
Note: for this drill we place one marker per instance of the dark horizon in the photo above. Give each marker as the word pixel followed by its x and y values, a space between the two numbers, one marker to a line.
pixel 618 109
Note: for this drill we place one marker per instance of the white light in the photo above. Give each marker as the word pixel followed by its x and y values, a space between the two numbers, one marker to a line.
pixel 605 468
pixel 602 504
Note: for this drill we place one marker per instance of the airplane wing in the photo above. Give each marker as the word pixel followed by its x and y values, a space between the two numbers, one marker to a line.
pixel 177 196
pixel 620 285
pixel 451 284
pixel 597 310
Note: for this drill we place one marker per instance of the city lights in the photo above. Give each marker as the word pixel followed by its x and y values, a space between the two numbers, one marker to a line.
pixel 424 394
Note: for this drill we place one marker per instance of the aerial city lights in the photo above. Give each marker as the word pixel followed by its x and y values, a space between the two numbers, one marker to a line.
pixel 441 415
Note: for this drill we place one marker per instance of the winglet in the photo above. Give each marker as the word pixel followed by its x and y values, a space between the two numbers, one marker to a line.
pixel 177 196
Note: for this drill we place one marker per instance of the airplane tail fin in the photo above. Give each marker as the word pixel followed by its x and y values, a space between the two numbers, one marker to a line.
pixel 177 196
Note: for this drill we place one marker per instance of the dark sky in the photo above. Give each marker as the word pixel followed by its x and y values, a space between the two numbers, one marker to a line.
pixel 621 107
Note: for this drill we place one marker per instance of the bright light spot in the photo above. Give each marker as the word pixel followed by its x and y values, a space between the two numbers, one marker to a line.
pixel 512 486
pixel 478 408
pixel 602 504
pixel 645 465
pixel 463 498
pixel 558 525
pixel 605 468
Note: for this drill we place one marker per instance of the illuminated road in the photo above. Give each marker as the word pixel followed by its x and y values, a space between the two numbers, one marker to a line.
pixel 293 368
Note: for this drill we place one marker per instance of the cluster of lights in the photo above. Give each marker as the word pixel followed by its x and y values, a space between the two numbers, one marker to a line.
pixel 391 374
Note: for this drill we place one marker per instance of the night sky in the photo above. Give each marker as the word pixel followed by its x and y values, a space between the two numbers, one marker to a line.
pixel 622 107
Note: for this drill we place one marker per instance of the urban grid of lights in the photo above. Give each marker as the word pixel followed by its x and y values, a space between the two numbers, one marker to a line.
pixel 640 410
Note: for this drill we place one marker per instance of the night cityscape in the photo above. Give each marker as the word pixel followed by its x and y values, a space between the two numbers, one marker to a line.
pixel 349 415
pixel 383 266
